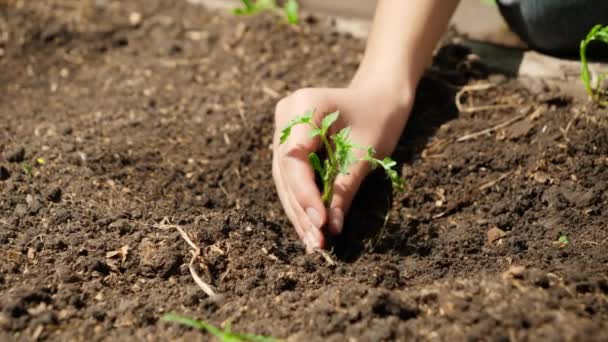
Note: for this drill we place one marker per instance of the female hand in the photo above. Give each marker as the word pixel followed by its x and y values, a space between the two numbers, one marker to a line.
pixel 376 115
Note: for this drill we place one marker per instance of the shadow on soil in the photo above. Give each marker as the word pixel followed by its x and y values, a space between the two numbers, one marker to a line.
pixel 367 219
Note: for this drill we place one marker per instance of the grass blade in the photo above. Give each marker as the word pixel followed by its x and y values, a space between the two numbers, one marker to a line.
pixel 222 335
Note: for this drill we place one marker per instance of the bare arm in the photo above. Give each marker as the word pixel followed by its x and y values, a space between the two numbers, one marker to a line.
pixel 401 43
pixel 376 106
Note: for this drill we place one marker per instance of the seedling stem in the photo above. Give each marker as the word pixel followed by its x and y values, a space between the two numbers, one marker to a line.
pixel 340 153
pixel 597 33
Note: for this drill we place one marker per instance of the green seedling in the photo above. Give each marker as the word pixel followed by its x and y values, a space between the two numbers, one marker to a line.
pixel 562 241
pixel 27 168
pixel 254 7
pixel 223 335
pixel 341 155
pixel 598 33
pixel 291 9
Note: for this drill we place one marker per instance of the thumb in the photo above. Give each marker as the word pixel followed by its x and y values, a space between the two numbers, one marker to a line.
pixel 345 189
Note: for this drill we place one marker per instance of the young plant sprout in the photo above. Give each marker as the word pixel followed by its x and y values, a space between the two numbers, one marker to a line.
pixel 27 169
pixel 562 241
pixel 291 8
pixel 223 335
pixel 597 33
pixel 340 154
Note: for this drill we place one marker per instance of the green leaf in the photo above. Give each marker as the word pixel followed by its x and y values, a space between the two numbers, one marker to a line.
pixel 396 181
pixel 329 120
pixel 251 7
pixel 346 160
pixel 194 324
pixel 27 168
pixel 345 157
pixel 315 132
pixel 305 118
pixel 597 33
pixel 342 136
pixel 225 336
pixel 291 11
pixel 316 163
pixel 387 164
pixel 262 5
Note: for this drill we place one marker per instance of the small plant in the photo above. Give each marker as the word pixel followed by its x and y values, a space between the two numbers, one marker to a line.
pixel 340 155
pixel 597 33
pixel 223 335
pixel 27 168
pixel 562 241
pixel 291 9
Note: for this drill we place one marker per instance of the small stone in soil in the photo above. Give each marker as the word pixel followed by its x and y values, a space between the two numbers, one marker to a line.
pixel 67 130
pixel 16 155
pixel 54 195
pixel 34 207
pixel 20 210
pixel 495 235
pixel 4 173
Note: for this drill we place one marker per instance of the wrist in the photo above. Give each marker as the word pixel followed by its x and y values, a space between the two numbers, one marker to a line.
pixel 397 91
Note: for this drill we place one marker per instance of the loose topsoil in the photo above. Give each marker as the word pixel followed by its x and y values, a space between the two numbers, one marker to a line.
pixel 121 120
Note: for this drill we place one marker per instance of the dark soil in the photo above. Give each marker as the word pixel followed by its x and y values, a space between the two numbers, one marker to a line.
pixel 170 118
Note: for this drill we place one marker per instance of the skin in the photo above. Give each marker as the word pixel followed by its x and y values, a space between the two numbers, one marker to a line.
pixel 376 105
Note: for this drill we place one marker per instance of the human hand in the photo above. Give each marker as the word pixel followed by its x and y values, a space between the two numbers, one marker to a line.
pixel 376 118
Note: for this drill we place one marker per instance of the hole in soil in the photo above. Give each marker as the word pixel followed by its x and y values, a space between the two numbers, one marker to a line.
pixel 366 219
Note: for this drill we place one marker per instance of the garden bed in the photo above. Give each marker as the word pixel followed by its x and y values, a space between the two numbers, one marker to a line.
pixel 120 122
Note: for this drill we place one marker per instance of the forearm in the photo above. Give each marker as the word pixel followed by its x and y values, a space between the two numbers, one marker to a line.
pixel 402 40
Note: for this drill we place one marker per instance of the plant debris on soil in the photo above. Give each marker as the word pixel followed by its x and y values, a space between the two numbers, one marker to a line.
pixel 156 113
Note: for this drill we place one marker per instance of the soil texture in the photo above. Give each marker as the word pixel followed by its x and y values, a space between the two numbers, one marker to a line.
pixel 120 121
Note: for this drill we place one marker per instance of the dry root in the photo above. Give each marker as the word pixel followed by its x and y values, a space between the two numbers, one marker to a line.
pixel 196 252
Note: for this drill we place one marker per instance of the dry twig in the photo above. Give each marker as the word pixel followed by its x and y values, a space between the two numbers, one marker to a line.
pixel 196 252
pixel 270 92
pixel 595 243
pixel 493 182
pixel 325 256
pixel 473 109
pixel 492 129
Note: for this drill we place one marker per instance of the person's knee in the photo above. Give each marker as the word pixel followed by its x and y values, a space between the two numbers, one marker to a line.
pixel 555 27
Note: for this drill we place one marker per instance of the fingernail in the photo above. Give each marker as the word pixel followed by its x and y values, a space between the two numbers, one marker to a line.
pixel 314 217
pixel 311 240
pixel 336 217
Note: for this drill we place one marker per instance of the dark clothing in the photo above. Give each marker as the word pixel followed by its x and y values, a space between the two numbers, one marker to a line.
pixel 554 26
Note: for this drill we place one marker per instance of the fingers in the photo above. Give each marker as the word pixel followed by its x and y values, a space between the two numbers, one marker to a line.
pixel 285 200
pixel 295 177
pixel 299 179
pixel 309 234
pixel 345 189
pixel 308 222
pixel 306 235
